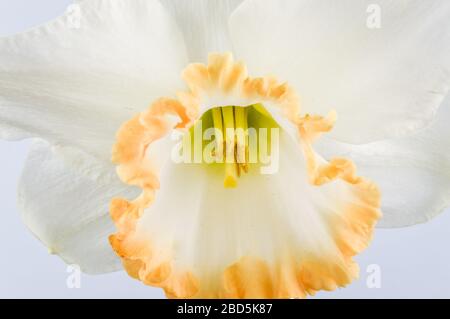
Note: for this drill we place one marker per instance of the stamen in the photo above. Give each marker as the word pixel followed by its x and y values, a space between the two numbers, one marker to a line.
pixel 218 125
pixel 241 124
pixel 236 142
pixel 231 171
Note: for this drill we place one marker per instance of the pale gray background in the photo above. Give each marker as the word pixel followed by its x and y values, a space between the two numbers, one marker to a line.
pixel 415 261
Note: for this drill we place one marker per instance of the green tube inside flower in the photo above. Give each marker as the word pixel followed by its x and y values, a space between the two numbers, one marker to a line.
pixel 241 137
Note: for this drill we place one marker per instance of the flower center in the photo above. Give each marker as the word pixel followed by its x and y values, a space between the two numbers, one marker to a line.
pixel 236 137
pixel 241 132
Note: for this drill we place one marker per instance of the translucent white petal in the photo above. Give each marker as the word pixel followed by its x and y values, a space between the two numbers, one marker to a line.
pixel 74 80
pixel 67 211
pixel 413 173
pixel 204 24
pixel 384 82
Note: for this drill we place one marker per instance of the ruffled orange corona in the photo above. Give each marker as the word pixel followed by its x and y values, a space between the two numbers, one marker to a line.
pixel 284 235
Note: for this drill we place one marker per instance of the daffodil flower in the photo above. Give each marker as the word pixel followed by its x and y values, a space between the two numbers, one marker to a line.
pixel 126 75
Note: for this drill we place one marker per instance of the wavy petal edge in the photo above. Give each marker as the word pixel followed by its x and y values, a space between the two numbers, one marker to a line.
pixel 352 232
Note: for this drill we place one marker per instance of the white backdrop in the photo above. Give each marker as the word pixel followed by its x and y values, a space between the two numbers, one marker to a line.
pixel 414 262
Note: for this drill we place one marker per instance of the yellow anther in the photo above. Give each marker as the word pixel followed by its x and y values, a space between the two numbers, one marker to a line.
pixel 240 116
pixel 218 125
pixel 231 173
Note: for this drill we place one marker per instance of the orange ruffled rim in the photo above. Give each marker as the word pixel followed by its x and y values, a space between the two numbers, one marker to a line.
pixel 249 277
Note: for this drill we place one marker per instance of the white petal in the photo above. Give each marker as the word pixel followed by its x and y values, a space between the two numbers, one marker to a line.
pixel 75 80
pixel 68 212
pixel 385 82
pixel 204 24
pixel 413 173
